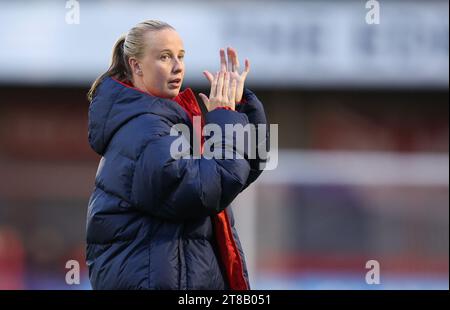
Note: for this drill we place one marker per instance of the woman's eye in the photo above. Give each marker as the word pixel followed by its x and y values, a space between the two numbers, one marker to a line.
pixel 165 57
pixel 181 57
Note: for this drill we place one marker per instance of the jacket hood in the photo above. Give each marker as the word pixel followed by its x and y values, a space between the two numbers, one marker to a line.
pixel 116 103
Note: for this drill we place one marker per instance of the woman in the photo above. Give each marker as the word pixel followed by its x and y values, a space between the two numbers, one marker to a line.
pixel 154 221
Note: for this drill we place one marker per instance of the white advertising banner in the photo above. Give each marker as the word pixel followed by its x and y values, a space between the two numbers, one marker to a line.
pixel 289 43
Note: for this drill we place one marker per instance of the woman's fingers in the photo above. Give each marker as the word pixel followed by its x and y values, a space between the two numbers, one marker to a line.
pixel 226 86
pixel 213 91
pixel 204 99
pixel 209 76
pixel 233 89
pixel 247 68
pixel 232 63
pixel 219 91
pixel 223 61
pixel 232 54
pixel 233 93
pixel 230 60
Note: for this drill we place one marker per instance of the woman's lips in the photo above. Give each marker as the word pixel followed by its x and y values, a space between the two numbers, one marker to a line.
pixel 175 83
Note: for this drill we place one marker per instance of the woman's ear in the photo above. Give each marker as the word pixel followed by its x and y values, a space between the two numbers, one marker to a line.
pixel 135 66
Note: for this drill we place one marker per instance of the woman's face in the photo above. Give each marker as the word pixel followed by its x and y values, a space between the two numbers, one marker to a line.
pixel 162 66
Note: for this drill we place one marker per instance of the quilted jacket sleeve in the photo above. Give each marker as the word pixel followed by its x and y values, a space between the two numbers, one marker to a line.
pixel 253 108
pixel 188 188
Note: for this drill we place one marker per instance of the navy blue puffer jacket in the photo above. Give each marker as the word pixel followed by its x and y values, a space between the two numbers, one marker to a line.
pixel 155 222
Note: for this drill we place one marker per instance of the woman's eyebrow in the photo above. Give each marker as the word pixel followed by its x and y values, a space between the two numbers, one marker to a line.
pixel 168 50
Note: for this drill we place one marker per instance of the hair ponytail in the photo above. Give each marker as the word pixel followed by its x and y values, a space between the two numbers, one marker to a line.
pixel 117 69
pixel 129 45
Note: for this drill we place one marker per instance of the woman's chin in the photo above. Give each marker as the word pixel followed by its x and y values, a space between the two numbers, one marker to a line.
pixel 172 93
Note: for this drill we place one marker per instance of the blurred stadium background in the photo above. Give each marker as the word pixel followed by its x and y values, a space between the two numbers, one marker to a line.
pixel 363 164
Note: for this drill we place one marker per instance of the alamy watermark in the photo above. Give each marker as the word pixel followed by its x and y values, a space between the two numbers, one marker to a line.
pixel 73 13
pixel 237 142
pixel 373 15
pixel 73 275
pixel 373 275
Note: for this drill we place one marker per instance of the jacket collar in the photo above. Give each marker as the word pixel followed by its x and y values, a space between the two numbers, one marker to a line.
pixel 116 103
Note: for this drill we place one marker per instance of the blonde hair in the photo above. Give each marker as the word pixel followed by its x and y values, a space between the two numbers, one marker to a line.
pixel 130 45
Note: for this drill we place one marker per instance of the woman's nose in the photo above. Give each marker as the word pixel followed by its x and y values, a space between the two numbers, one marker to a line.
pixel 178 66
